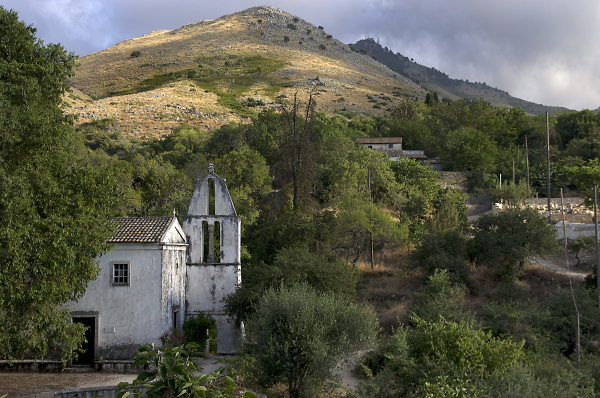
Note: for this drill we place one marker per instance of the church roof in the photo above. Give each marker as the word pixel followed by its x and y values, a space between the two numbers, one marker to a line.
pixel 141 229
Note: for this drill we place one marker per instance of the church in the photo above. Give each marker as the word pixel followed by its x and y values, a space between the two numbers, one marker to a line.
pixel 161 272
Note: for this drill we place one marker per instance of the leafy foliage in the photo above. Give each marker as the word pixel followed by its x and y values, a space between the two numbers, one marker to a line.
pixel 298 335
pixel 177 376
pixel 199 328
pixel 54 206
pixel 292 266
pixel 503 241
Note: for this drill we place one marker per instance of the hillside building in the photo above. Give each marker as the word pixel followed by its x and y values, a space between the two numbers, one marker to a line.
pixel 392 147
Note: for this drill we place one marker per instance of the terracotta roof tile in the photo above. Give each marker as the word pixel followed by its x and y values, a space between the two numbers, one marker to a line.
pixel 140 229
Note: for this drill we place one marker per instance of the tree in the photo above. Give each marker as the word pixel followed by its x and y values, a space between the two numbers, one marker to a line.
pixel 292 266
pixel 298 140
pixel 54 206
pixel 505 240
pixel 469 149
pixel 298 335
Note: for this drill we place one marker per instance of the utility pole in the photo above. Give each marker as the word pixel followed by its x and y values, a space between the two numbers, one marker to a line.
pixel 548 162
pixel 578 342
pixel 371 201
pixel 527 157
pixel 513 172
pixel 597 245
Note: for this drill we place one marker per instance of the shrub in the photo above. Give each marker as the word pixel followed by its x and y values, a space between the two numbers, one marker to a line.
pixel 445 251
pixel 136 54
pixel 437 349
pixel 503 241
pixel 286 38
pixel 251 102
pixel 173 338
pixel 512 195
pixel 178 376
pixel 320 27
pixel 329 37
pixel 292 26
pixel 199 328
pixel 363 51
pixel 298 335
pixel 291 266
pixel 296 19
pixel 308 31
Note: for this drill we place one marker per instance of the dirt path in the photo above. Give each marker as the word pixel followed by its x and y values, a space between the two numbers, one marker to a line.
pixel 561 265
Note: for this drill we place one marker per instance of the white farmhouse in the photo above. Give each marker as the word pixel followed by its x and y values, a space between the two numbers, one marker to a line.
pixel 159 273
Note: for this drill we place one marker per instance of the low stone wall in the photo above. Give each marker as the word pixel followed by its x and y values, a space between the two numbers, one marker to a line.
pixel 104 392
pixel 119 366
pixel 574 230
pixel 31 365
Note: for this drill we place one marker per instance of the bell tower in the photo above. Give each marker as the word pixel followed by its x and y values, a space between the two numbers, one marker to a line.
pixel 213 232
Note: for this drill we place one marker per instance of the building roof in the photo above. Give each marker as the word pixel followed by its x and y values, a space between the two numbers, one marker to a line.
pixel 380 140
pixel 141 229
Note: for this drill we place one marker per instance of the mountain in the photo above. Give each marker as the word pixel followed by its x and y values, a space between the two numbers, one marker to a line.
pixel 224 70
pixel 432 79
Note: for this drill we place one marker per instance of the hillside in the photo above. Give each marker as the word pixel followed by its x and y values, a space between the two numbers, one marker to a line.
pixel 432 79
pixel 212 72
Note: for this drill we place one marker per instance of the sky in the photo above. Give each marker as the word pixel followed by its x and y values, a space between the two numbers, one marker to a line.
pixel 544 51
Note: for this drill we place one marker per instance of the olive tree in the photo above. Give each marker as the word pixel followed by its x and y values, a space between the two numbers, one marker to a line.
pixel 298 335
pixel 505 240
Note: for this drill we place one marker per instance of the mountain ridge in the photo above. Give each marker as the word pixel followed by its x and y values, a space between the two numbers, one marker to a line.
pixel 432 79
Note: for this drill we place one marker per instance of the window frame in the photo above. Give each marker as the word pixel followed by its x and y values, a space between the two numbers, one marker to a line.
pixel 112 273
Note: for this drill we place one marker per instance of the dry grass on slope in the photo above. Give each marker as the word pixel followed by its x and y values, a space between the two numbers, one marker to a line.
pixel 348 81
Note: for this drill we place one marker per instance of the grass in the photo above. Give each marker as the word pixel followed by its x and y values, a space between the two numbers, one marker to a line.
pixel 228 80
pixel 167 57
pixel 389 286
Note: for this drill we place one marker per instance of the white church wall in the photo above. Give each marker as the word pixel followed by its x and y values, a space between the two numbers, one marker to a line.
pixel 127 315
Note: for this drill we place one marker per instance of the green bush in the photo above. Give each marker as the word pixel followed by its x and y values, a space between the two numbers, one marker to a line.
pixel 135 54
pixel 298 335
pixel 329 37
pixel 512 195
pixel 178 376
pixel 296 19
pixel 437 349
pixel 505 240
pixel 286 38
pixel 445 251
pixel 292 26
pixel 199 328
pixel 292 266
pixel 441 298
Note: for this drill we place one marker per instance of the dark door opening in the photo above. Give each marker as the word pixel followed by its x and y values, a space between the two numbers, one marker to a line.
pixel 87 357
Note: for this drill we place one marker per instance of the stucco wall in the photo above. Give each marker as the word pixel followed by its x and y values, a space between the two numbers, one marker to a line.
pixel 174 277
pixel 140 313
pixel 383 146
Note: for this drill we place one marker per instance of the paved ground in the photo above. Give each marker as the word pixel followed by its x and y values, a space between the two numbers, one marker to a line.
pixel 43 385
